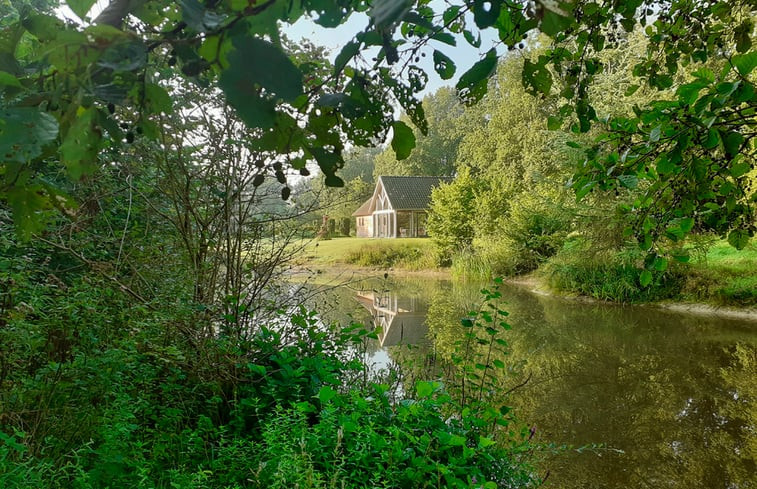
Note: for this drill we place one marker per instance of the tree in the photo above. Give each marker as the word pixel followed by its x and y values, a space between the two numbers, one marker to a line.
pixel 68 90
pixel 434 153
pixel 452 214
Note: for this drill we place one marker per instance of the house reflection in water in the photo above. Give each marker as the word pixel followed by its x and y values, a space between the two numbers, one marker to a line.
pixel 400 320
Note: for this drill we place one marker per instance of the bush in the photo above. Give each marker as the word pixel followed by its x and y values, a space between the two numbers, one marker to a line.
pixel 533 230
pixel 131 404
pixel 608 275
pixel 452 215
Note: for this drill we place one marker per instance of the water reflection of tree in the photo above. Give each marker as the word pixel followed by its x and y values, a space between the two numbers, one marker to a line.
pixel 675 393
pixel 643 381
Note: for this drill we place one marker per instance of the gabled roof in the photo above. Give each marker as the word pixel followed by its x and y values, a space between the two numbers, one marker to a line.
pixel 364 210
pixel 410 192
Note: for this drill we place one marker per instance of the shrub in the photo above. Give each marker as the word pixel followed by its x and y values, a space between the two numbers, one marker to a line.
pixel 452 215
pixel 533 230
pixel 287 406
pixel 608 275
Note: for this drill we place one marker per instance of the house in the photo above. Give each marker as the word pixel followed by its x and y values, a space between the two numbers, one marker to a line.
pixel 399 320
pixel 398 207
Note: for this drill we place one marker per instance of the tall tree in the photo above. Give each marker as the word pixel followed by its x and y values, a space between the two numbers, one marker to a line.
pixel 436 151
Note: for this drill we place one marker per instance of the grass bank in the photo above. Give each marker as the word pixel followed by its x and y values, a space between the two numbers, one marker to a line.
pixel 411 254
pixel 721 275
pixel 717 275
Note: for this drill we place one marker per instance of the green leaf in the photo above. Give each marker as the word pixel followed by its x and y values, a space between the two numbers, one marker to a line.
pixel 473 41
pixel 484 442
pixel 704 74
pixel 9 80
pixel 443 65
pixel 403 141
pixel 628 181
pixel 553 23
pixel 738 238
pixel 689 92
pixel 255 61
pixel 157 99
pixel 687 224
pixel 256 64
pixel 554 123
pixel 124 56
pixel 682 258
pixel 386 12
pixel 26 202
pixel 742 35
pixel 660 264
pixel 713 138
pixel 194 14
pixel 631 90
pixel 645 278
pixel 485 14
pixel 745 63
pixel 445 37
pixel 349 50
pixel 79 148
pixel 424 389
pixel 584 190
pixel 473 83
pixel 24 132
pixel 732 143
pixel 80 7
pixel 325 394
pixel 740 168
pixel 665 165
pixel 536 78
pixel 43 27
pixel 654 134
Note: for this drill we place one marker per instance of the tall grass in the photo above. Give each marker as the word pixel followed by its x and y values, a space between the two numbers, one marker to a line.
pixel 723 275
pixel 611 276
pixel 393 254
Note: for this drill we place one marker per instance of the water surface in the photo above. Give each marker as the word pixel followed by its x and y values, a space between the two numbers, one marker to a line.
pixel 669 396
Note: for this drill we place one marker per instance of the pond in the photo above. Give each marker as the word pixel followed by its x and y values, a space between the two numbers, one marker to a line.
pixel 670 397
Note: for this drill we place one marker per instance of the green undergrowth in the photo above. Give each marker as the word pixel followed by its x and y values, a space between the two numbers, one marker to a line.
pixel 99 393
pixel 611 276
pixel 724 276
pixel 716 274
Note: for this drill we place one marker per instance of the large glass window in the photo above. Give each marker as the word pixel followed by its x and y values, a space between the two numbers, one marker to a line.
pixel 404 221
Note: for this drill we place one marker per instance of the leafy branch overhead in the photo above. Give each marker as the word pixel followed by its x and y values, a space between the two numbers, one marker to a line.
pixel 73 90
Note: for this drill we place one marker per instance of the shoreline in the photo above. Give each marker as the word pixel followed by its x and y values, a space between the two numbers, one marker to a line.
pixel 530 282
pixel 695 308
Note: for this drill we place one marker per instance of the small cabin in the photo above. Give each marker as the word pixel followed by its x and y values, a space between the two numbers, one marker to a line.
pixel 400 320
pixel 398 207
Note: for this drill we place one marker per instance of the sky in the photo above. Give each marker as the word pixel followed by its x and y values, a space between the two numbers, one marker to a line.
pixel 464 55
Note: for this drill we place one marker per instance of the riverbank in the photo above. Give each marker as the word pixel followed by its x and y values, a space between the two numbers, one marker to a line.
pixel 722 281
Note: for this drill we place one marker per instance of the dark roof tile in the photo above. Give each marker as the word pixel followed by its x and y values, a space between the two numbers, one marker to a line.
pixel 411 192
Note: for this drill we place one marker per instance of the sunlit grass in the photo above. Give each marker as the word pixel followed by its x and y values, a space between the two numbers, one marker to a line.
pixel 407 253
pixel 724 275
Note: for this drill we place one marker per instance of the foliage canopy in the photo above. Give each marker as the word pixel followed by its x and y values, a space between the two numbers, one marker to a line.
pixel 70 91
